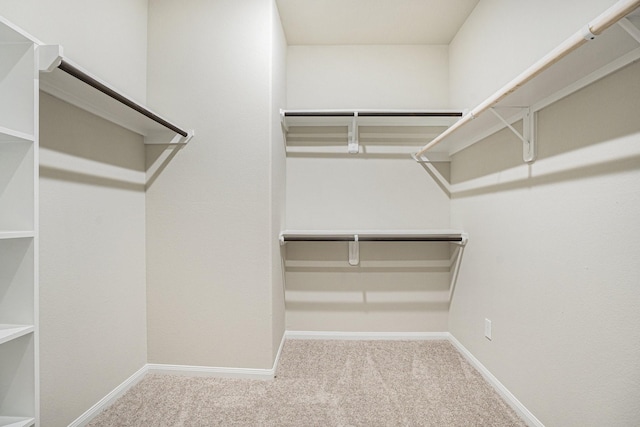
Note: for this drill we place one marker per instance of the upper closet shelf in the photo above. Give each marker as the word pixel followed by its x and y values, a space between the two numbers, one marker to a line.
pixel 305 129
pixel 455 236
pixel 589 55
pixel 62 78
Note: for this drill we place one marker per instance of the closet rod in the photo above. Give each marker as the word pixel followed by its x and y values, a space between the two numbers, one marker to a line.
pixel 588 32
pixel 80 75
pixel 372 114
pixel 362 238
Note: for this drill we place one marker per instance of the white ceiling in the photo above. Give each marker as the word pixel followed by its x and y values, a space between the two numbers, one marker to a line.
pixel 316 22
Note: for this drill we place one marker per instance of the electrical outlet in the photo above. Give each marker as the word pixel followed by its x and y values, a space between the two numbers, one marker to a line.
pixel 487 329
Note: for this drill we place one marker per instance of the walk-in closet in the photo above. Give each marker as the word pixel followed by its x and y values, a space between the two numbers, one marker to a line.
pixel 319 212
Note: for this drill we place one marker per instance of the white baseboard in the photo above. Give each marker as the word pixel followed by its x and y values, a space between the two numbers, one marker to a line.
pixel 277 359
pixel 211 371
pixel 106 401
pixel 268 374
pixel 220 372
pixel 511 400
pixel 337 335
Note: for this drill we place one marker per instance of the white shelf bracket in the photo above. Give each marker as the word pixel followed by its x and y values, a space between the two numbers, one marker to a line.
pixel 630 28
pixel 529 152
pixel 49 57
pixel 353 146
pixel 354 251
pixel 283 120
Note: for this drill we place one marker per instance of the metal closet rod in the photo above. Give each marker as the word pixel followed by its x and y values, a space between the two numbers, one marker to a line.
pixel 370 239
pixel 371 114
pixel 80 75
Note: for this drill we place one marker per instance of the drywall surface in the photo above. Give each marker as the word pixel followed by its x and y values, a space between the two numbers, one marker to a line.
pixel 92 259
pixel 502 38
pixel 209 219
pixel 552 258
pixel 278 174
pixel 397 286
pixel 367 76
pixel 107 38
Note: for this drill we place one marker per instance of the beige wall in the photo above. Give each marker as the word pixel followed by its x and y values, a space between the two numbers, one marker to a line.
pixel 92 253
pixel 501 38
pixel 397 287
pixel 108 38
pixel 92 259
pixel 552 258
pixel 210 214
pixel 278 174
pixel 367 76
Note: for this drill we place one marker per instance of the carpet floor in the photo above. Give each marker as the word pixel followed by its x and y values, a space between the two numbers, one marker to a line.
pixel 326 383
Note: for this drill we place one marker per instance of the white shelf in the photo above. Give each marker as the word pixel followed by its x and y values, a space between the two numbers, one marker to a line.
pixel 374 235
pixel 370 117
pixel 66 80
pixel 16 421
pixel 10 135
pixel 11 332
pixel 19 375
pixel 347 131
pixel 597 58
pixel 16 234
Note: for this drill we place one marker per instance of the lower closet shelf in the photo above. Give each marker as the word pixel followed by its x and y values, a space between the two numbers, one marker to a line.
pixel 16 421
pixel 11 332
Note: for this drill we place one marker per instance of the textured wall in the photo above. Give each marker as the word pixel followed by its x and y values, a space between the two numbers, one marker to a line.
pixel 501 38
pixel 367 76
pixel 278 173
pixel 552 258
pixel 397 287
pixel 108 38
pixel 209 222
pixel 92 259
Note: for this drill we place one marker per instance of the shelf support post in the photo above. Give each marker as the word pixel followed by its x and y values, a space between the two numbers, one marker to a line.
pixel 352 146
pixel 354 251
pixel 529 152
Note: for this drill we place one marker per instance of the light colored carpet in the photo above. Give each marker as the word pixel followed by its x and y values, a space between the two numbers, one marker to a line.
pixel 326 383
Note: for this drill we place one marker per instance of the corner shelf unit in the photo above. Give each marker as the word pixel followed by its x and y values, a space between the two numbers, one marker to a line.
pixel 19 400
pixel 579 61
pixel 362 131
pixel 26 66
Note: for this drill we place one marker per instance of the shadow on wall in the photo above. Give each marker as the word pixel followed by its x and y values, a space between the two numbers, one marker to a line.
pixel 589 133
pixel 391 276
pixel 77 146
pixel 375 142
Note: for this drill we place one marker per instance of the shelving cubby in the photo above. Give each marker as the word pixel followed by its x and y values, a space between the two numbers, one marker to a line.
pixel 18 228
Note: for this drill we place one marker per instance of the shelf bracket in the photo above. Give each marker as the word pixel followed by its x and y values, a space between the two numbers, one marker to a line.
pixel 49 57
pixel 353 147
pixel 630 28
pixel 354 251
pixel 529 152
